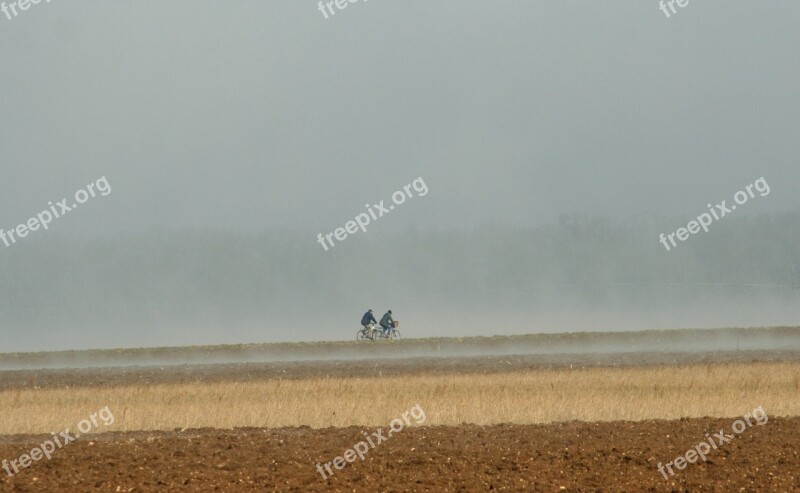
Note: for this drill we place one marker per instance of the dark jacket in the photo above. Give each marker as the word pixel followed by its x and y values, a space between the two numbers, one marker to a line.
pixel 387 320
pixel 368 318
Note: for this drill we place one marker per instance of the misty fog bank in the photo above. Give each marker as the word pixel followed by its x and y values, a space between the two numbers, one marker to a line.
pixel 728 344
pixel 582 274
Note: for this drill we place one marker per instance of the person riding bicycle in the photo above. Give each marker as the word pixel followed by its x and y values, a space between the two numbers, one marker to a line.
pixel 387 323
pixel 367 320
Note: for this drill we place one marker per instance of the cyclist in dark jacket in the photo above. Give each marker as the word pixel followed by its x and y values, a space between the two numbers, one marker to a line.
pixel 387 322
pixel 368 318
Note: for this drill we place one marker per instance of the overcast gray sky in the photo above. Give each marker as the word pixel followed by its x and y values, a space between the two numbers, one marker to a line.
pixel 262 116
pixel 255 115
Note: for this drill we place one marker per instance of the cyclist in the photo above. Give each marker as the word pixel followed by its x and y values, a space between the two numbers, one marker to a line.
pixel 387 323
pixel 367 320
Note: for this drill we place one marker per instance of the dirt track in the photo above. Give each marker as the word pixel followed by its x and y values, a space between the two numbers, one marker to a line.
pixel 729 340
pixel 243 372
pixel 559 457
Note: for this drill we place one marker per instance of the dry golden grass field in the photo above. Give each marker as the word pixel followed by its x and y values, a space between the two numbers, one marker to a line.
pixel 520 397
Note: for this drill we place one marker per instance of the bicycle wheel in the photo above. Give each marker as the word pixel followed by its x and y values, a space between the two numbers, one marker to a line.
pixel 361 336
pixel 395 334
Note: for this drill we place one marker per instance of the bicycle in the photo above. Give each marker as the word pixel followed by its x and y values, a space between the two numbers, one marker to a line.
pixel 366 333
pixel 378 333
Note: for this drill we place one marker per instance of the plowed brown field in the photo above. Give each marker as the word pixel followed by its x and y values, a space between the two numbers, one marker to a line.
pixel 616 456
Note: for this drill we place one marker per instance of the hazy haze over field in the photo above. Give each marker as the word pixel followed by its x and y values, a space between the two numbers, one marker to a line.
pixel 557 141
